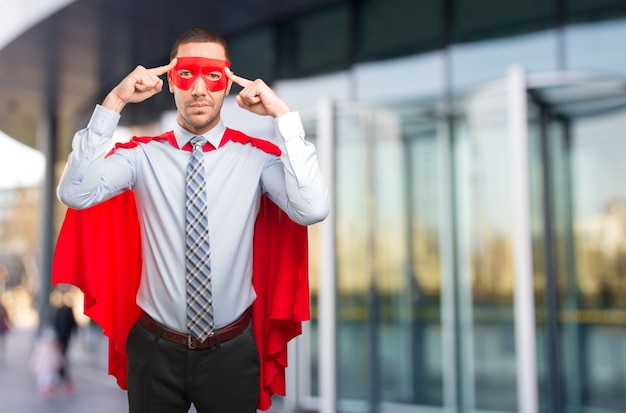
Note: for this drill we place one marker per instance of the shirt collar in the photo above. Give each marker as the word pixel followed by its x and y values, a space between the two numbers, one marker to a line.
pixel 214 136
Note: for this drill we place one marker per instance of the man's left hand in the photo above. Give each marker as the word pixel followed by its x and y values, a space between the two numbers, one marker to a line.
pixel 258 97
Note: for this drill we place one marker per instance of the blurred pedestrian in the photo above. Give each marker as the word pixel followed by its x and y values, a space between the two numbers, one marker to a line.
pixel 64 326
pixel 45 361
pixel 5 326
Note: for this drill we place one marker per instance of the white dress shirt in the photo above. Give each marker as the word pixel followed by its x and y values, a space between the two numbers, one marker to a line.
pixel 237 176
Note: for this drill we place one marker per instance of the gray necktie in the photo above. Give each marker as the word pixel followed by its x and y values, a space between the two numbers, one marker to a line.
pixel 198 251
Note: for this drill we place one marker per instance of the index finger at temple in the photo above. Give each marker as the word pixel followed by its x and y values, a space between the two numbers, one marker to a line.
pixel 243 82
pixel 158 71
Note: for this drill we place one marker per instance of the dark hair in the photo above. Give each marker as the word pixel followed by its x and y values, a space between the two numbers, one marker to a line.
pixel 200 35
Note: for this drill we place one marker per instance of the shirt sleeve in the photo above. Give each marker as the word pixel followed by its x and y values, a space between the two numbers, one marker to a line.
pixel 298 186
pixel 87 179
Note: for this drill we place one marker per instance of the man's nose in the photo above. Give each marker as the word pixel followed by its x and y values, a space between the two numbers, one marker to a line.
pixel 199 87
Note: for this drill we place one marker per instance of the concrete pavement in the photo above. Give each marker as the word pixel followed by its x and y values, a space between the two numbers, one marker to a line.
pixel 95 391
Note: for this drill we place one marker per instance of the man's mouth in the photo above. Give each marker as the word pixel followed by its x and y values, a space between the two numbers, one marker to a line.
pixel 199 105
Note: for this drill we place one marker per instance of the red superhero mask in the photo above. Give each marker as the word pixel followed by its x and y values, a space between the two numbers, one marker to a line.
pixel 188 69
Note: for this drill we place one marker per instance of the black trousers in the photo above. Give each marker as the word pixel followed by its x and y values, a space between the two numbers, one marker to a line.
pixel 167 377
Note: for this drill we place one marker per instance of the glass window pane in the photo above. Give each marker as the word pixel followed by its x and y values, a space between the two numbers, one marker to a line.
pixel 488 370
pixel 353 264
pixel 253 54
pixel 311 370
pixel 483 19
pixel 390 28
pixel 599 205
pixel 585 10
pixel 480 62
pixel 388 258
pixel 425 283
pixel 588 218
pixel 403 79
pixel 592 47
pixel 321 42
pixel 407 259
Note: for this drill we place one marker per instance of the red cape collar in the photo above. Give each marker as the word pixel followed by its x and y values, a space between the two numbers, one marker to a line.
pixel 230 135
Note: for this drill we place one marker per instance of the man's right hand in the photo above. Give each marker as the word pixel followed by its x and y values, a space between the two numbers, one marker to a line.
pixel 138 86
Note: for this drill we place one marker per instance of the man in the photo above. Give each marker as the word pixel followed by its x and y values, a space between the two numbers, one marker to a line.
pixel 170 363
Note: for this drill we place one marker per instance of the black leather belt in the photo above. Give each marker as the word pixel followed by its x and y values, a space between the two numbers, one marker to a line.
pixel 219 336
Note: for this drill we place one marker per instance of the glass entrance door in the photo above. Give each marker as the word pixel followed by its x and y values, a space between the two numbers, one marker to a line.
pixel 426 256
pixel 577 231
pixel 581 204
pixel 484 252
pixel 389 324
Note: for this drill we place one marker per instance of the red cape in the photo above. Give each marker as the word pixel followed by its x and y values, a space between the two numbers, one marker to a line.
pixel 99 251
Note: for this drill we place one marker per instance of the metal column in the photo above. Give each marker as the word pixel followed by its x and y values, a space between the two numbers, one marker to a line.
pixel 525 331
pixel 327 284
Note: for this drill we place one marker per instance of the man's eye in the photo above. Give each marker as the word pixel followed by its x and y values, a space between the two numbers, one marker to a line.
pixel 214 76
pixel 186 74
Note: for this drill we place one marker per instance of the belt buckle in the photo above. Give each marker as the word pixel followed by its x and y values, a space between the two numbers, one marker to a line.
pixel 190 344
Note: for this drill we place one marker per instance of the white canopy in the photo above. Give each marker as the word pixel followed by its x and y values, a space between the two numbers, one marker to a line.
pixel 20 165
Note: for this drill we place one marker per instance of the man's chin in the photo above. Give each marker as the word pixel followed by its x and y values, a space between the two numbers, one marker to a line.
pixel 199 123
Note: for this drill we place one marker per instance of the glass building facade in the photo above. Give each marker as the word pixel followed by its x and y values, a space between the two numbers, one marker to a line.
pixel 475 256
pixel 476 261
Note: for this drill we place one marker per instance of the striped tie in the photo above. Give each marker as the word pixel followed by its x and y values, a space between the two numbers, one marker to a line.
pixel 198 251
